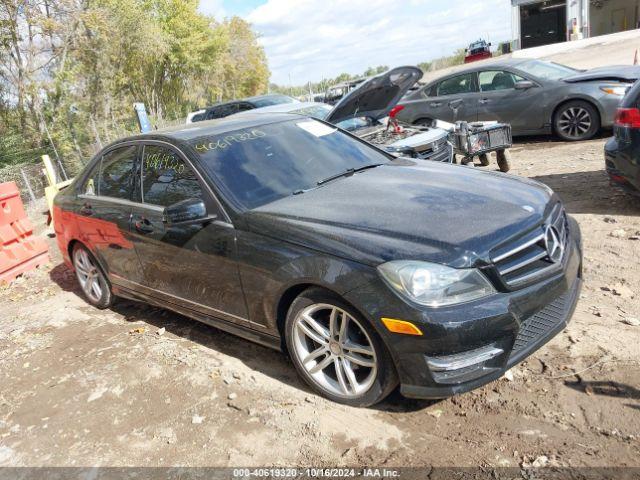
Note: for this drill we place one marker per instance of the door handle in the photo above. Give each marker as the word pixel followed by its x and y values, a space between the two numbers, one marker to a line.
pixel 86 210
pixel 484 101
pixel 143 226
pixel 435 104
pixel 455 103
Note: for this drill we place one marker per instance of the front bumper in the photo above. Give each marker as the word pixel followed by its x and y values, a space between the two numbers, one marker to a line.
pixel 499 331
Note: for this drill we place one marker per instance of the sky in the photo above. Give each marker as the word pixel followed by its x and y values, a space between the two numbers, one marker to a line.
pixel 308 40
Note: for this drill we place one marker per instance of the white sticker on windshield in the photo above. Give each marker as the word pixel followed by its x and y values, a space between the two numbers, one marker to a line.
pixel 315 128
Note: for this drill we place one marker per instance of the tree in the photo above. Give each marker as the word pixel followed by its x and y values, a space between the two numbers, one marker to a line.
pixel 73 68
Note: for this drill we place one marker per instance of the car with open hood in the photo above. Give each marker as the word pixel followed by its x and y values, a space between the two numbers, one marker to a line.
pixel 371 271
pixel 533 96
pixel 369 112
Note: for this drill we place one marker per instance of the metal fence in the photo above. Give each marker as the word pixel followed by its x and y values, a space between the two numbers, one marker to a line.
pixel 24 166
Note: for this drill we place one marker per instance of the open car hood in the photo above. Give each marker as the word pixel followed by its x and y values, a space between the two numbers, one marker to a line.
pixel 376 96
pixel 616 73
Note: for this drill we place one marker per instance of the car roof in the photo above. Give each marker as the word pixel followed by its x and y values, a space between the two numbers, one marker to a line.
pixel 262 97
pixel 486 65
pixel 220 126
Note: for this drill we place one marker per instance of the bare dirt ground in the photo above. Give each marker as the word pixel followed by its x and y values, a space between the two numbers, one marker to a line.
pixel 81 387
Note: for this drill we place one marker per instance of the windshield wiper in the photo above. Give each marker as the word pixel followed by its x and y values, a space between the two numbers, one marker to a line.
pixel 347 173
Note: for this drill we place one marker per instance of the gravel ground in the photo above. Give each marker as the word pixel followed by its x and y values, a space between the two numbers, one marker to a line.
pixel 142 386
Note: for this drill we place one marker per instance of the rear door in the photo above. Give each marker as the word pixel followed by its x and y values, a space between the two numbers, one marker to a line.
pixel 499 100
pixel 454 98
pixel 192 264
pixel 104 212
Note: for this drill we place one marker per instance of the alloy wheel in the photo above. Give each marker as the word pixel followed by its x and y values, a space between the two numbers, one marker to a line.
pixel 335 350
pixel 88 274
pixel 575 122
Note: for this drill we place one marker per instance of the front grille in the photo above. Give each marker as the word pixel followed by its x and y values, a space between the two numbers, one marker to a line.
pixel 540 324
pixel 528 259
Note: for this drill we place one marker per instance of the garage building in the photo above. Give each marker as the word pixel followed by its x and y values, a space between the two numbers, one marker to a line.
pixel 536 23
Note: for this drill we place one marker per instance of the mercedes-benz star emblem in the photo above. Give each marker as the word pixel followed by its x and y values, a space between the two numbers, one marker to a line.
pixel 553 244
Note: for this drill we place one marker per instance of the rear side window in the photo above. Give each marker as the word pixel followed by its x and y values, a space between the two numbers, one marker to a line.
pixel 457 85
pixel 166 178
pixel 93 180
pixel 223 111
pixel 113 176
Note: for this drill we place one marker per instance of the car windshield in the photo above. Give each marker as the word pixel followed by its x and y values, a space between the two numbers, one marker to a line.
pixel 546 70
pixel 272 100
pixel 259 165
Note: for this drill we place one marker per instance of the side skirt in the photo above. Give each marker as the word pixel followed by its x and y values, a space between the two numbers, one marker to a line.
pixel 261 338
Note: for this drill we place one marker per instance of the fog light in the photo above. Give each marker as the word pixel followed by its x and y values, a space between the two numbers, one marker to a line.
pixel 400 326
pixel 463 360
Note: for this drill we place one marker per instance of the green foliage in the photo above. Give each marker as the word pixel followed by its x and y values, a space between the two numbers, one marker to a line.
pixel 75 78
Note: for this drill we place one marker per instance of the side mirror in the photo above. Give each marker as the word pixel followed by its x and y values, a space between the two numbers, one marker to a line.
pixel 524 85
pixel 185 211
pixel 489 44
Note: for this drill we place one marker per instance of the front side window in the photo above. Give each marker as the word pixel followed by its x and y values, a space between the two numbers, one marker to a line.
pixel 116 173
pixel 255 166
pixel 457 85
pixel 166 178
pixel 492 80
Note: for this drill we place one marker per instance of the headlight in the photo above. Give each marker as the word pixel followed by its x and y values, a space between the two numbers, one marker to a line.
pixel 435 285
pixel 619 90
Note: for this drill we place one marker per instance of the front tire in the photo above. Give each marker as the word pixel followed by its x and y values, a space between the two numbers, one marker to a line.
pixel 503 158
pixel 93 281
pixel 576 120
pixel 336 352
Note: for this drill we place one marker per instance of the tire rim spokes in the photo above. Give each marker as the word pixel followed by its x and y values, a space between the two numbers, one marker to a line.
pixel 335 350
pixel 88 275
pixel 575 122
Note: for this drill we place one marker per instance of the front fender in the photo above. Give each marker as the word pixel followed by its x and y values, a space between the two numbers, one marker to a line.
pixel 270 270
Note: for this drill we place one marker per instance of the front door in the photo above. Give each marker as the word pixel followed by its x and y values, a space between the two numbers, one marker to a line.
pixel 193 264
pixel 500 101
pixel 104 210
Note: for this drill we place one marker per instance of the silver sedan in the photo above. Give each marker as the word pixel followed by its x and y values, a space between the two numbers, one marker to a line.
pixel 534 96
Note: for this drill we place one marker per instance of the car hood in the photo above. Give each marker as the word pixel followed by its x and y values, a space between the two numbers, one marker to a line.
pixel 616 73
pixel 408 209
pixel 376 96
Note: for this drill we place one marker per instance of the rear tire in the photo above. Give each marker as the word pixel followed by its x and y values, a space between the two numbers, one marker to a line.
pixel 93 281
pixel 336 351
pixel 576 120
pixel 504 160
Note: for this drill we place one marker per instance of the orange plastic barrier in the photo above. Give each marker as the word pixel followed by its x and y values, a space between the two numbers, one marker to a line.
pixel 20 251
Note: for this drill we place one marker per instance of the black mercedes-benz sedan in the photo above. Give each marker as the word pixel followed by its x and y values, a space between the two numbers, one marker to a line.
pixel 368 270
